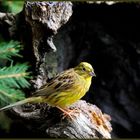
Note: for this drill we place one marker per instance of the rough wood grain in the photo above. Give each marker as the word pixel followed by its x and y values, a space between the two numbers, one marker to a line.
pixel 88 121
pixel 45 18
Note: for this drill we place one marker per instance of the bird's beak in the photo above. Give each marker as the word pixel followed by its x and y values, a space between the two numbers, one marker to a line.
pixel 92 74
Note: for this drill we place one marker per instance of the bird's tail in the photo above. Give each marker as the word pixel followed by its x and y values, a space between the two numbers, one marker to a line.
pixel 28 100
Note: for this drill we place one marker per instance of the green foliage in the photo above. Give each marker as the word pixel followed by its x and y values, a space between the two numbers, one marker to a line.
pixel 9 95
pixel 7 50
pixel 14 6
pixel 13 77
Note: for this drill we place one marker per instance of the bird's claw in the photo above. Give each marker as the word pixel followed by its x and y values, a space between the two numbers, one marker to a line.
pixel 69 112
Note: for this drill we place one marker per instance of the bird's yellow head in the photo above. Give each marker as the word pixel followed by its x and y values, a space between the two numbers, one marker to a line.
pixel 85 69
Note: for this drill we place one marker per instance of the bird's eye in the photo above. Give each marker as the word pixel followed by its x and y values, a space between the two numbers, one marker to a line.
pixel 84 69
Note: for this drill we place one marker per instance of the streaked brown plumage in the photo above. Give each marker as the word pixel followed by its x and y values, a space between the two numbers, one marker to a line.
pixel 64 89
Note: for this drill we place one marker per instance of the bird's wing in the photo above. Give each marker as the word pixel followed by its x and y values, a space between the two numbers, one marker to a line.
pixel 63 81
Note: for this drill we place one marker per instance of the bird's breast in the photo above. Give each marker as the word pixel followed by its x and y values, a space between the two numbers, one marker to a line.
pixel 82 88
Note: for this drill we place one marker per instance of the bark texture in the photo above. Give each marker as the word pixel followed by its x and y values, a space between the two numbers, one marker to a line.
pixel 87 122
pixel 45 18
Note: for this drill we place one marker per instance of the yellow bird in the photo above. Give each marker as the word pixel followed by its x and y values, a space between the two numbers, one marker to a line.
pixel 63 90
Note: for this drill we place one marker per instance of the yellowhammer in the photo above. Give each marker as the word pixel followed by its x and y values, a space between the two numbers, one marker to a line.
pixel 64 89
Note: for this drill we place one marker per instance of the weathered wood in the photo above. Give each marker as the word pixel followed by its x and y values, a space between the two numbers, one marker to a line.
pixel 45 18
pixel 88 121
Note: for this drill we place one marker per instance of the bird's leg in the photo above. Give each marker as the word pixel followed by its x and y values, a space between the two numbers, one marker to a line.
pixel 67 112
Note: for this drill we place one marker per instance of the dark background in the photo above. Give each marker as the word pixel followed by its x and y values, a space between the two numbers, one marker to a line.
pixel 110 40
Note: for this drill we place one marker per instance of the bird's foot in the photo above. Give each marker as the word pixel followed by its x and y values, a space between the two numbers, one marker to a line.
pixel 68 112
